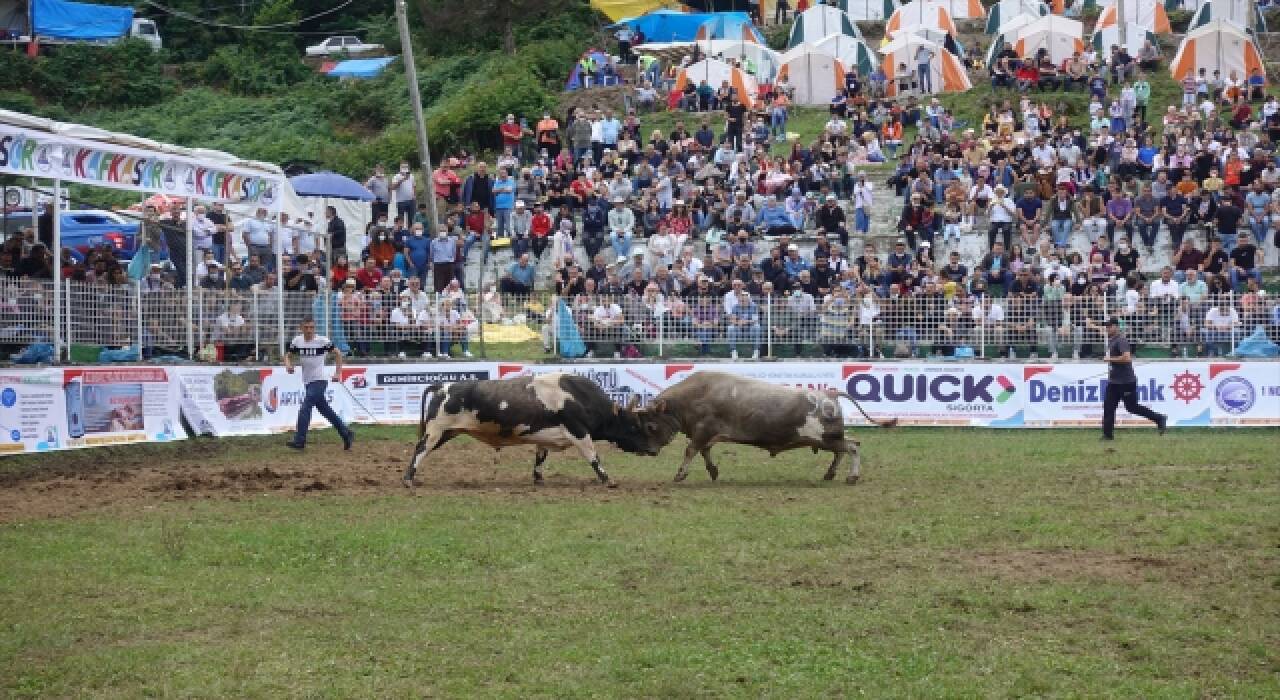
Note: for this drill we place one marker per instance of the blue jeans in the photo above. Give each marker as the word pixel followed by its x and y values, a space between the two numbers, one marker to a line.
pixel 778 123
pixel 861 222
pixel 1260 224
pixel 220 253
pixel 1238 277
pixel 502 222
pixel 1061 229
pixel 315 398
pixel 926 77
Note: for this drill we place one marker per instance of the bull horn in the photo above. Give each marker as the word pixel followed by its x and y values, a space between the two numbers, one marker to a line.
pixel 633 402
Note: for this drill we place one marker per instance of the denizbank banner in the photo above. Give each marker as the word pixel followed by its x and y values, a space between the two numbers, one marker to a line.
pixel 56 157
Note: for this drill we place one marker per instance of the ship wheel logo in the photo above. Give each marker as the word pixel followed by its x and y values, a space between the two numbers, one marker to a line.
pixel 1187 387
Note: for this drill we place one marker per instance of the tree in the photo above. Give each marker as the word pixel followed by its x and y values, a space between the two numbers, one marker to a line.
pixel 474 22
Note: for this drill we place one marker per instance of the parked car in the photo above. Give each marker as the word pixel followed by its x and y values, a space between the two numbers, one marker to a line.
pixel 342 44
pixel 83 229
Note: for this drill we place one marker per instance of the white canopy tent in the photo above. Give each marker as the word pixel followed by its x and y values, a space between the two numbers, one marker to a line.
pixel 62 153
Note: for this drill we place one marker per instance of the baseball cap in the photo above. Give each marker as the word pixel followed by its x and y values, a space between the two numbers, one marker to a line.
pixel 831 198
pixel 622 260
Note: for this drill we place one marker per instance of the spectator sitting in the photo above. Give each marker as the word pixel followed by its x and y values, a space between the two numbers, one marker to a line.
pixel 520 277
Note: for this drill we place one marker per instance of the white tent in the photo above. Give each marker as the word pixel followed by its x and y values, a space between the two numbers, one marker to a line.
pixel 763 59
pixel 1061 36
pixel 816 77
pixel 1219 45
pixel 940 38
pixel 716 72
pixel 1007 10
pixel 921 13
pixel 1011 27
pixel 1245 13
pixel 818 22
pixel 1135 36
pixel 853 54
pixel 866 10
pixel 946 72
pixel 1148 13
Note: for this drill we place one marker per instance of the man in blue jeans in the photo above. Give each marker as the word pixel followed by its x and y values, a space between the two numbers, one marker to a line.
pixel 312 350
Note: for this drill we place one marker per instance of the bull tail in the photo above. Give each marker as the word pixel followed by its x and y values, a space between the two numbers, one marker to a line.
pixel 883 424
pixel 409 472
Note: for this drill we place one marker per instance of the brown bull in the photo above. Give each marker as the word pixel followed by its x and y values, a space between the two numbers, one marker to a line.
pixel 712 407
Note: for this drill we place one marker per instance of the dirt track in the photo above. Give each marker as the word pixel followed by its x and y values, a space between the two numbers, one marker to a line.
pixel 124 479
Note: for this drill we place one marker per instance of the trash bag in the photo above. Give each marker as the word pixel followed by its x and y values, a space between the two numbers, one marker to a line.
pixel 129 353
pixel 1257 344
pixel 570 340
pixel 35 354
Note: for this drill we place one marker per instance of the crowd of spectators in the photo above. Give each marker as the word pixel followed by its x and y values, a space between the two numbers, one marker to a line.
pixel 1023 231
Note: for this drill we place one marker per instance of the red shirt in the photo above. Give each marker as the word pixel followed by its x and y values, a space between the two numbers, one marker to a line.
pixel 511 134
pixel 475 222
pixel 367 278
pixel 540 226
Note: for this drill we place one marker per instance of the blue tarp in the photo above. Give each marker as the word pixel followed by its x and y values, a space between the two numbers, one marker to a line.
pixel 361 67
pixel 731 26
pixel 58 19
pixel 662 26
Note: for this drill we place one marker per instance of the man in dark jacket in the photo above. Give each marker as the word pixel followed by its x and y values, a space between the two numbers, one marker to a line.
pixel 478 188
pixel 830 218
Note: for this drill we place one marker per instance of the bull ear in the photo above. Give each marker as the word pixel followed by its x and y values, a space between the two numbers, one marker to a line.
pixel 634 402
pixel 660 406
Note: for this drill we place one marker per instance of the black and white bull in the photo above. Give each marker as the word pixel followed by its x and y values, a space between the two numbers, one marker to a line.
pixel 551 411
pixel 712 407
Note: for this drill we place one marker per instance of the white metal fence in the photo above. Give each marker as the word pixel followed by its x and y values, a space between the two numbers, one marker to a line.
pixel 234 325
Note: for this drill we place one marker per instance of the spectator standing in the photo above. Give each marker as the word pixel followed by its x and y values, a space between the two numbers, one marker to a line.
pixel 336 230
pixel 405 187
pixel 444 251
pixel 381 189
pixel 417 253
pixel 504 201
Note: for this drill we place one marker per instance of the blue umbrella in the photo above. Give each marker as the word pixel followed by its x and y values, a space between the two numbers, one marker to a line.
pixel 330 185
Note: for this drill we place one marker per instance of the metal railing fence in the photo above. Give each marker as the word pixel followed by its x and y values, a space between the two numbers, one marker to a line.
pixel 229 325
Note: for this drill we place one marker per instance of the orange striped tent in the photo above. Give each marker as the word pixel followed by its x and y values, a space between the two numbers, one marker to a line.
pixel 715 72
pixel 921 14
pixel 1147 13
pixel 946 72
pixel 815 76
pixel 1220 45
pixel 1060 35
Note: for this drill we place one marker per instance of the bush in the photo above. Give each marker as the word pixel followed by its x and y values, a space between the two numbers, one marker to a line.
pixel 127 74
pixel 243 72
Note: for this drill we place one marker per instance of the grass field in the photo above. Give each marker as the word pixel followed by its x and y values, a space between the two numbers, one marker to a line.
pixel 967 563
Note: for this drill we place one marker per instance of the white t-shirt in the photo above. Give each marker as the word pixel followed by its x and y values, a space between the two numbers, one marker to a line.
pixel 1002 209
pixel 1160 288
pixel 313 353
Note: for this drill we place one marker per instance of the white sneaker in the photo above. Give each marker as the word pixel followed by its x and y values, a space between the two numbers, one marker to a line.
pixel 1053 356
pixel 617 356
pixel 733 354
pixel 1035 355
pixel 1075 355
pixel 755 355
pixel 467 353
pixel 426 355
pixel 1013 354
pixel 401 355
pixel 591 353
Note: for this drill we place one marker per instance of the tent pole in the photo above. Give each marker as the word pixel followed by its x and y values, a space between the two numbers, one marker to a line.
pixel 279 253
pixel 57 271
pixel 191 285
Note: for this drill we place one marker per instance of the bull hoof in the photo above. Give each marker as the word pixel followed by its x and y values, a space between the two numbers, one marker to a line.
pixel 680 476
pixel 538 480
pixel 852 479
pixel 611 484
pixel 407 482
pixel 713 472
pixel 828 476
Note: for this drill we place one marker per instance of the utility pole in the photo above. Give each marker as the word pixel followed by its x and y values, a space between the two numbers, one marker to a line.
pixel 415 98
pixel 1121 25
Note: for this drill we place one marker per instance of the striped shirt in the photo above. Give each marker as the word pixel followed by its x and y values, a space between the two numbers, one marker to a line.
pixel 313 353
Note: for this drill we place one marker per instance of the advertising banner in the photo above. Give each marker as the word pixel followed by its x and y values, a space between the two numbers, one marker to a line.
pixel 1244 393
pixel 936 394
pixel 54 409
pixel 57 409
pixel 1070 395
pixel 41 154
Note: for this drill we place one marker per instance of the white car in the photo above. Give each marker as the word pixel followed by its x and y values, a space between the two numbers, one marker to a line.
pixel 341 45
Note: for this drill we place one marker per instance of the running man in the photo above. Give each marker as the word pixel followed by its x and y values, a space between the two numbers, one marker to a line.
pixel 312 349
pixel 1122 383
